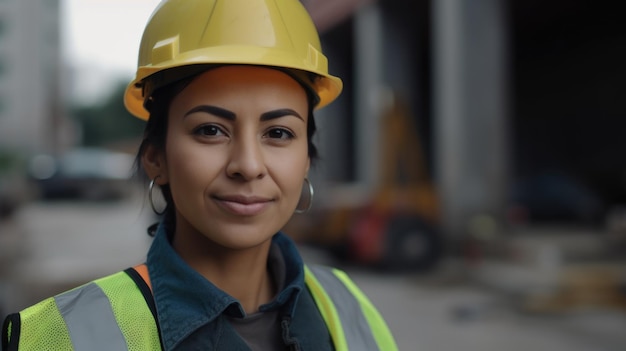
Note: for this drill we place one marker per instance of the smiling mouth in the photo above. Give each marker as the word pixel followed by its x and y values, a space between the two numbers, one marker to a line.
pixel 243 206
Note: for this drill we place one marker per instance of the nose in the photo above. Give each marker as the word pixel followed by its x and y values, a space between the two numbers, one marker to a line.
pixel 246 160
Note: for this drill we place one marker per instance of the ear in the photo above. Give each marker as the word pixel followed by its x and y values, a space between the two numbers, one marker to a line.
pixel 153 162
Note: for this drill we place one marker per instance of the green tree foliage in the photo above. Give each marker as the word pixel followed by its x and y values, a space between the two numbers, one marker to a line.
pixel 108 122
pixel 9 160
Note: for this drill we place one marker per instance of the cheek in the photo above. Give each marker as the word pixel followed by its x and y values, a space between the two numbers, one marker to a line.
pixel 189 163
pixel 289 170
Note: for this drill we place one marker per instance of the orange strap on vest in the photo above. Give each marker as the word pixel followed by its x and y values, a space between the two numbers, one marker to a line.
pixel 142 269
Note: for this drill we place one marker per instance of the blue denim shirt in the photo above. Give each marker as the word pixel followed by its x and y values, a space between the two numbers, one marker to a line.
pixel 192 312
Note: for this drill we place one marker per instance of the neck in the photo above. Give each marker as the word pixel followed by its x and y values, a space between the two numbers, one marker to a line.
pixel 242 274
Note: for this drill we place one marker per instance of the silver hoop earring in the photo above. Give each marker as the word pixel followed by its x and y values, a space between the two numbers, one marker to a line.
pixel 309 201
pixel 150 189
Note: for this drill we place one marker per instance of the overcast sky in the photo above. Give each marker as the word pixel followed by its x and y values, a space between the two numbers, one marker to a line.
pixel 101 41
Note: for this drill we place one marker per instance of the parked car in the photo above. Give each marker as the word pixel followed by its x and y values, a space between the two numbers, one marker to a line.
pixel 557 197
pixel 83 173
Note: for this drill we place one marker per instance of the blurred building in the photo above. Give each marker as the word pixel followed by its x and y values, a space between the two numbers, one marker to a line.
pixel 427 57
pixel 431 56
pixel 516 106
pixel 30 75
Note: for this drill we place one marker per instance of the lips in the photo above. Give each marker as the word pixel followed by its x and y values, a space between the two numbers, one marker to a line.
pixel 241 205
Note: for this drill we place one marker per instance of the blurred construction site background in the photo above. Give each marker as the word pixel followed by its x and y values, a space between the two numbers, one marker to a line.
pixel 472 174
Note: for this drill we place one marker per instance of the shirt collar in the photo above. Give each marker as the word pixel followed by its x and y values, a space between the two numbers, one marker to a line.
pixel 186 301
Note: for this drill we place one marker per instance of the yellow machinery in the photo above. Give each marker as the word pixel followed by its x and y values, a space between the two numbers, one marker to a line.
pixel 397 227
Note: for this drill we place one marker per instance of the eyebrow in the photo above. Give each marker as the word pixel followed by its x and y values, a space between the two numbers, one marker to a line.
pixel 229 115
pixel 213 110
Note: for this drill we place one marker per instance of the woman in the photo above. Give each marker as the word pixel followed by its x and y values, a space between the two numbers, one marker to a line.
pixel 228 89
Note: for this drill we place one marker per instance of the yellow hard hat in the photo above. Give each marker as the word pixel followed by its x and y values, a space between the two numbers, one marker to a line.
pixel 184 33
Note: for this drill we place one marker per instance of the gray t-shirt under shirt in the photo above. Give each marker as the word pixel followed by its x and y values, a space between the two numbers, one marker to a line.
pixel 261 330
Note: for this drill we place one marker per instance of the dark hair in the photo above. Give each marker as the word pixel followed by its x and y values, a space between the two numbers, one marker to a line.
pixel 155 134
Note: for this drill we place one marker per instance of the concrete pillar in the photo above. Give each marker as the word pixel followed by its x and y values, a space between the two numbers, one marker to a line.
pixel 368 90
pixel 470 107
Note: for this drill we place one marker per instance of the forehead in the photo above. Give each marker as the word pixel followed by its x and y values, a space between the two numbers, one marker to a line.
pixel 243 84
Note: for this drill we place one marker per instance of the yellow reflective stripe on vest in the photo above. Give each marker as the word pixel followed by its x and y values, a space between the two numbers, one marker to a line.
pixel 379 327
pixel 41 327
pixel 352 320
pixel 110 313
pixel 132 312
pixel 90 320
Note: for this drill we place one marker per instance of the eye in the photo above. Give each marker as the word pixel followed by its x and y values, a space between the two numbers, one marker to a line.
pixel 280 133
pixel 208 130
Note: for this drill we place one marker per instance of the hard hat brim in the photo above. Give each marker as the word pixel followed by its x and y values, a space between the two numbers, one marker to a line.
pixel 327 87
